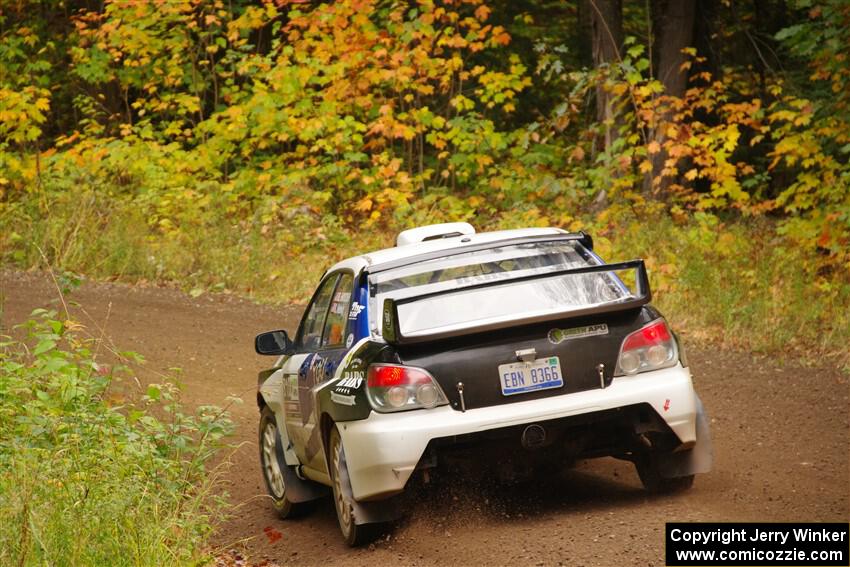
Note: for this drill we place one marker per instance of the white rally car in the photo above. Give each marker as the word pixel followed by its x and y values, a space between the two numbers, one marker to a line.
pixel 523 341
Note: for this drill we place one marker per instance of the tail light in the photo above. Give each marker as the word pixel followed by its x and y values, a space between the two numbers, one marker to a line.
pixel 649 348
pixel 392 387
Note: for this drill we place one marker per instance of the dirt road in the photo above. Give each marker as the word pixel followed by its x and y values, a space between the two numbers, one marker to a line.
pixel 780 441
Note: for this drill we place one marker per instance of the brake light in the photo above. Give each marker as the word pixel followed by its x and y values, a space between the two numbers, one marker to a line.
pixel 393 387
pixel 649 348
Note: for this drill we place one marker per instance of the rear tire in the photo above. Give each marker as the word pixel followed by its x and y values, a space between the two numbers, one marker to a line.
pixel 273 464
pixel 649 472
pixel 353 534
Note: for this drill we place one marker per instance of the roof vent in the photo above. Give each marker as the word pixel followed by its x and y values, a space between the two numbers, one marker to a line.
pixel 434 232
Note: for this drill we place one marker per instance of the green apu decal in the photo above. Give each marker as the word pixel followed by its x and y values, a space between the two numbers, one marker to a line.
pixel 557 336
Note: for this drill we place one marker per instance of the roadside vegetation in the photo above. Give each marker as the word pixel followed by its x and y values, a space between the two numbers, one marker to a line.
pixel 95 470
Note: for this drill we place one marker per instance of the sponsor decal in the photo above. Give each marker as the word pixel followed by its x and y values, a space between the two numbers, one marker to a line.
pixel 666 404
pixel 557 336
pixel 355 310
pixel 351 380
pixel 342 399
pixel 349 341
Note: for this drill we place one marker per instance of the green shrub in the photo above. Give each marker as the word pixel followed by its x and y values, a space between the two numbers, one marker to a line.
pixel 88 477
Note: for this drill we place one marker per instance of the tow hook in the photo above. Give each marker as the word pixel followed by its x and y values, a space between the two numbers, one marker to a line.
pixel 600 368
pixel 533 436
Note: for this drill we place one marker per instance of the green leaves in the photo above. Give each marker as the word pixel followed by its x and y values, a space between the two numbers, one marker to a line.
pixel 153 392
pixel 43 346
pixel 81 452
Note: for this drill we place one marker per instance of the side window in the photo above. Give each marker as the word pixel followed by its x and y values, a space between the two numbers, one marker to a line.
pixel 334 334
pixel 310 337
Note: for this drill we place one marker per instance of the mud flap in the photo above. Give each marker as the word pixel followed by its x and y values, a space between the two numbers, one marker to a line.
pixel 698 459
pixel 297 489
pixel 376 512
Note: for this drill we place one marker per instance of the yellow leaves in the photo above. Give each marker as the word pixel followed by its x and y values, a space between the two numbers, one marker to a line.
pixel 653 147
pixel 643 91
pixel 462 103
pixel 731 137
pixel 619 89
pixel 782 116
pixel 691 174
pixel 645 166
pixel 363 205
pixel 483 161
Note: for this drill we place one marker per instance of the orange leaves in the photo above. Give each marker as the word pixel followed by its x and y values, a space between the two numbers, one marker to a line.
pixel 354 107
pixel 577 154
pixel 500 36
pixel 482 12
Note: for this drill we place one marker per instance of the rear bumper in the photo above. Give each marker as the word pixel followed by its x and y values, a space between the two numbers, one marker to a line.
pixel 383 450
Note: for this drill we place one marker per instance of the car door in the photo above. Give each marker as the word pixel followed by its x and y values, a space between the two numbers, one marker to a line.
pixel 319 345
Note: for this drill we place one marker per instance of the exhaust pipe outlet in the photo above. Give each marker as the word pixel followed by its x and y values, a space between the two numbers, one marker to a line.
pixel 533 436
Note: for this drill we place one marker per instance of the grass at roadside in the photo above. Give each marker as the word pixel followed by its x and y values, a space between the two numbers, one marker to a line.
pixel 741 285
pixel 736 282
pixel 90 473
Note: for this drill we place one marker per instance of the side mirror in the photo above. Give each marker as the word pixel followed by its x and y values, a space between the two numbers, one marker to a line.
pixel 273 343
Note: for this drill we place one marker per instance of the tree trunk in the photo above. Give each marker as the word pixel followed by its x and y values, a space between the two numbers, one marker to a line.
pixel 674 27
pixel 584 33
pixel 606 28
pixel 606 18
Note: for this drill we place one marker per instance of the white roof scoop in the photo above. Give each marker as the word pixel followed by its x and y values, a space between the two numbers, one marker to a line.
pixel 434 232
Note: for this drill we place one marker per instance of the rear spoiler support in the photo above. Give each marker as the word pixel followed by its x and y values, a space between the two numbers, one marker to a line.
pixel 391 329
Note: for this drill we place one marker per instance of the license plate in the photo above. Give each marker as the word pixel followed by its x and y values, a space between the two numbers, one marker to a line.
pixel 523 377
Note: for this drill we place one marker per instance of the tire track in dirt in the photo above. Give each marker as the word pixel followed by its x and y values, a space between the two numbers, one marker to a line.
pixel 780 440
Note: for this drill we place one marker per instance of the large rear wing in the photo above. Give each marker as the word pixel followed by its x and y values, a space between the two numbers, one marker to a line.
pixel 391 327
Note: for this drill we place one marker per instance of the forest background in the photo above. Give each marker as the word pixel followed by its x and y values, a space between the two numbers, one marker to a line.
pixel 244 145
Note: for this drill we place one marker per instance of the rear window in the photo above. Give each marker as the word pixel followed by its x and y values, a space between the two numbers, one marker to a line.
pixel 461 306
